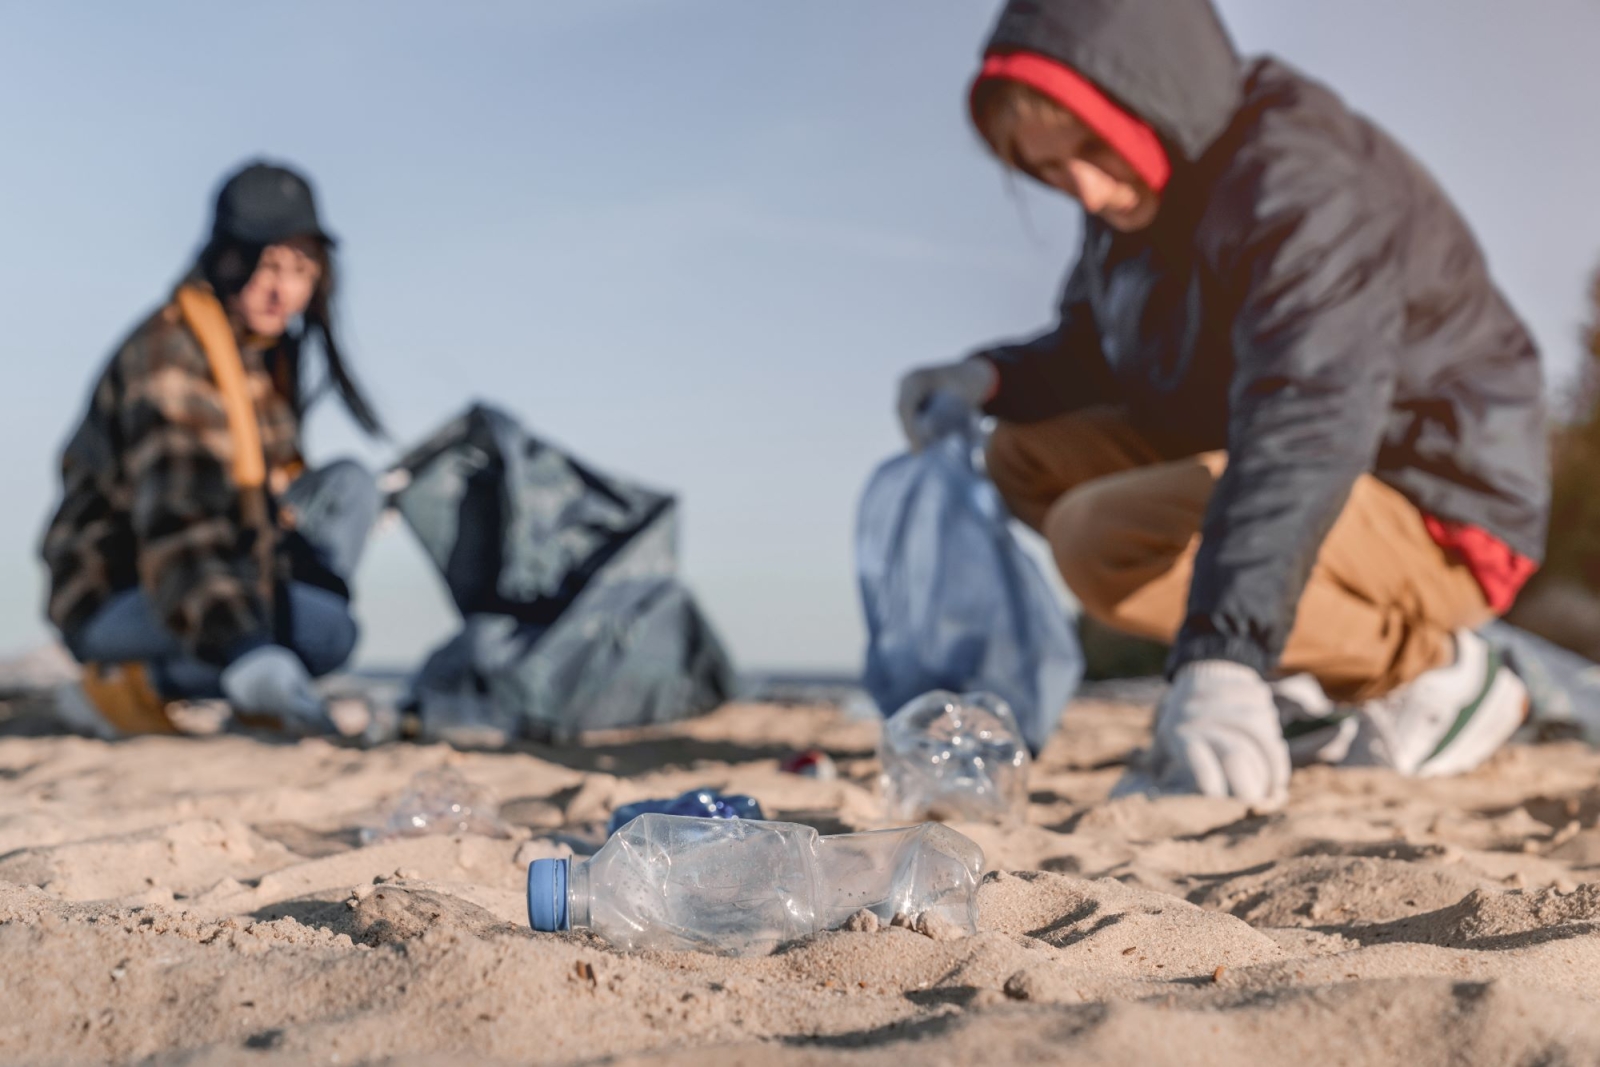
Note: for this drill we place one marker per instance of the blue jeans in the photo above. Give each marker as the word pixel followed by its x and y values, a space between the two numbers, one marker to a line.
pixel 335 507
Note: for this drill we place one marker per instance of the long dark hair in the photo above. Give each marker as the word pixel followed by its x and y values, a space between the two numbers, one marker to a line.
pixel 227 266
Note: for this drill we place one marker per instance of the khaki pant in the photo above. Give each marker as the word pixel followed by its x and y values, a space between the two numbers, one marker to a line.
pixel 1123 523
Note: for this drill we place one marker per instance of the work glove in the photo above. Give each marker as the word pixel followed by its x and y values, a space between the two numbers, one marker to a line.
pixel 271 680
pixel 1217 733
pixel 971 382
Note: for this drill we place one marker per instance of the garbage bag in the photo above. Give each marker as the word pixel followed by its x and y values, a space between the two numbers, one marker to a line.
pixel 952 601
pixel 516 526
pixel 1563 687
pixel 573 617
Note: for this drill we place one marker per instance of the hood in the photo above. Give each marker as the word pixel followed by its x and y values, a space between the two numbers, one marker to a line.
pixel 1168 62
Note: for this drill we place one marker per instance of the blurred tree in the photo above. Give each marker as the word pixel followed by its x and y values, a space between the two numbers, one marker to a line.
pixel 1562 603
pixel 1108 653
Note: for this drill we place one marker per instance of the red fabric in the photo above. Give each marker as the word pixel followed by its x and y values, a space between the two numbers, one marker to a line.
pixel 1129 136
pixel 1500 572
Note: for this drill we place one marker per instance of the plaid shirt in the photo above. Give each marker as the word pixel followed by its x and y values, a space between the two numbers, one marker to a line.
pixel 149 498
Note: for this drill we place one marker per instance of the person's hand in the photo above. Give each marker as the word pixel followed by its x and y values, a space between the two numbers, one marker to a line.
pixel 971 381
pixel 1217 733
pixel 271 680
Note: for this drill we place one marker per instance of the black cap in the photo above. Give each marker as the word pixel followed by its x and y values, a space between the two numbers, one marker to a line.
pixel 265 204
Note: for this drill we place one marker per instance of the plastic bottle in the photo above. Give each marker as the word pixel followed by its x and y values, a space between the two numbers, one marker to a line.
pixel 954 757
pixel 705 803
pixel 742 887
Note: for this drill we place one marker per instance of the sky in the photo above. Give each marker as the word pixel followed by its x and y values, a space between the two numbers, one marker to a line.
pixel 694 241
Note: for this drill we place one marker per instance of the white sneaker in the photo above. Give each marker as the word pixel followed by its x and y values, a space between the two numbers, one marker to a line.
pixel 1446 722
pixel 1315 728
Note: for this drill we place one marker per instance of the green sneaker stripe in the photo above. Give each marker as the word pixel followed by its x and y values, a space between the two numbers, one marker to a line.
pixel 1293 731
pixel 1471 709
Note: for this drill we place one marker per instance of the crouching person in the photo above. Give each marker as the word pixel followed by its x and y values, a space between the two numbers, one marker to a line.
pixel 1286 423
pixel 193 555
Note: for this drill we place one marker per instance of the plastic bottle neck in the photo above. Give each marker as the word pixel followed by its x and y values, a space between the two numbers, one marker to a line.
pixel 578 917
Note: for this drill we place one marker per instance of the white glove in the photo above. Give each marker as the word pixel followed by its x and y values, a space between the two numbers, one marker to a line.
pixel 1217 733
pixel 272 681
pixel 972 381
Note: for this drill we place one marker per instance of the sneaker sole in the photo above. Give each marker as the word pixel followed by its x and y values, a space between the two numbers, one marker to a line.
pixel 1485 726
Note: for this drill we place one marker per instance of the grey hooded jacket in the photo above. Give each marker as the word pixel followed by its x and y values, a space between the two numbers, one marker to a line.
pixel 1308 299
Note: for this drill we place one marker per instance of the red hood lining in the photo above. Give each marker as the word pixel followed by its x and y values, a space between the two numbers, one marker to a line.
pixel 1129 136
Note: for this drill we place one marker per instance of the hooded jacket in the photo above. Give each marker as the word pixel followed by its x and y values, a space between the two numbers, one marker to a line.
pixel 1307 299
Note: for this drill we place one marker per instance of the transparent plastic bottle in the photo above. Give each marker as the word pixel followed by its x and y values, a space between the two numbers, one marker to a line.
pixel 954 757
pixel 741 887
pixel 440 801
pixel 705 803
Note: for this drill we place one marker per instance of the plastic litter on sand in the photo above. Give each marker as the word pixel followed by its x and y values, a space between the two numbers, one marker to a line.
pixel 954 757
pixel 704 803
pixel 741 887
pixel 440 801
pixel 812 763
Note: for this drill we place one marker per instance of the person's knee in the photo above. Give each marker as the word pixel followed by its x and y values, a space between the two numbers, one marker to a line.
pixel 1007 456
pixel 325 634
pixel 331 648
pixel 346 468
pixel 1083 536
pixel 1008 462
pixel 351 482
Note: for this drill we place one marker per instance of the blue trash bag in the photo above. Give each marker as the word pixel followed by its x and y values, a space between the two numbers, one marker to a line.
pixel 952 600
pixel 696 803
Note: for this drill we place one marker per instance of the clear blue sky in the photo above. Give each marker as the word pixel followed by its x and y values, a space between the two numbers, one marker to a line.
pixel 694 240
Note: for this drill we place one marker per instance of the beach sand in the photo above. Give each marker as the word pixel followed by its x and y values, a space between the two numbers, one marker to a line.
pixel 208 901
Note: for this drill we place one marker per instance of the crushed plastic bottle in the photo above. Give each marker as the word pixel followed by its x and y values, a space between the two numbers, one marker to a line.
pixel 705 803
pixel 954 757
pixel 440 801
pixel 742 887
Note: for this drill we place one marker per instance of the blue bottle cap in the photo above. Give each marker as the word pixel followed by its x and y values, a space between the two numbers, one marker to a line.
pixel 547 895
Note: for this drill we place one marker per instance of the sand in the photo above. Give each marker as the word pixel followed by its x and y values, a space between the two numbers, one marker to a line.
pixel 208 901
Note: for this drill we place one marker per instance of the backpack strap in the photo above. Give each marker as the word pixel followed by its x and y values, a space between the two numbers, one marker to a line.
pixel 205 317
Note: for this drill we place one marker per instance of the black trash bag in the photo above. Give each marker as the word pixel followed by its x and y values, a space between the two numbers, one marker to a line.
pixel 519 528
pixel 566 579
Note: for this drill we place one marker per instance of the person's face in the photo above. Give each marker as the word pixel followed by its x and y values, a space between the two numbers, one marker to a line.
pixel 1065 154
pixel 281 287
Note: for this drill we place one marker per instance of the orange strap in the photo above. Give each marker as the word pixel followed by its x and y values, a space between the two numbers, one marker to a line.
pixel 209 322
pixel 205 317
